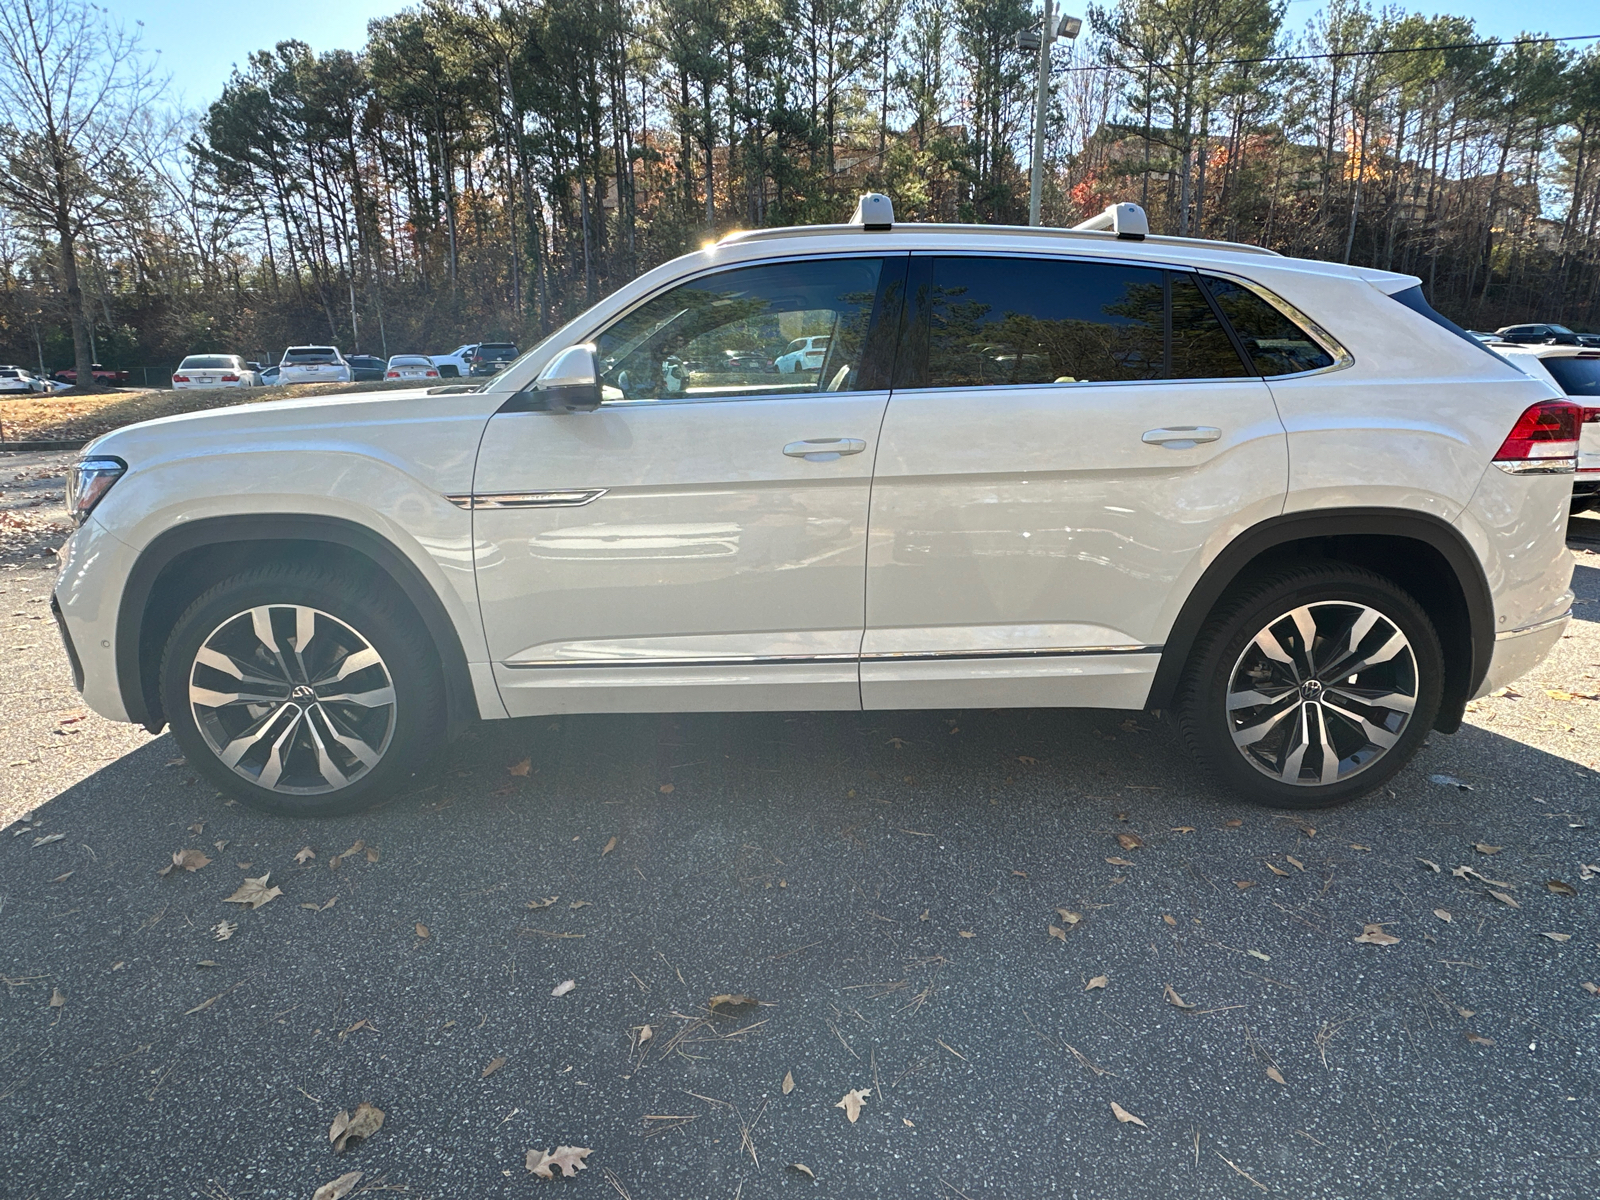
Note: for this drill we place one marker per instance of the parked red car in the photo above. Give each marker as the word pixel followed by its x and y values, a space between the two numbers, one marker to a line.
pixel 101 375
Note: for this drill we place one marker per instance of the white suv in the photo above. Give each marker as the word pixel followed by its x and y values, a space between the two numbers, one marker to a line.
pixel 1282 499
pixel 1576 373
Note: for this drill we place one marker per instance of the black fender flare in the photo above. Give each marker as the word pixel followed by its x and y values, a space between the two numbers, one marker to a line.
pixel 137 682
pixel 1333 528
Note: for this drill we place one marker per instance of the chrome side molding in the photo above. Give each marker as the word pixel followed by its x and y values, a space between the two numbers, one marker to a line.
pixel 564 499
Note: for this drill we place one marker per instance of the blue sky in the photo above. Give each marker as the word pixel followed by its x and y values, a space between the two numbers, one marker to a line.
pixel 200 40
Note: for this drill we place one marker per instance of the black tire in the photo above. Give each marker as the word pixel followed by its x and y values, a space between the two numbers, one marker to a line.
pixel 1332 598
pixel 329 735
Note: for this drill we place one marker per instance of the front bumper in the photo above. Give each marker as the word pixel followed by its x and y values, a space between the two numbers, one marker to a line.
pixel 94 568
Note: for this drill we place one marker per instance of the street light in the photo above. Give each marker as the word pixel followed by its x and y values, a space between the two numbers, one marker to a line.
pixel 1050 29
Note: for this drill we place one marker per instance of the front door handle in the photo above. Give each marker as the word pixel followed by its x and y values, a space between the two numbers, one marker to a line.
pixel 1181 437
pixel 824 449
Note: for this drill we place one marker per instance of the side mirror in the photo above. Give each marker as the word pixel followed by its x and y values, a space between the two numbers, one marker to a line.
pixel 570 382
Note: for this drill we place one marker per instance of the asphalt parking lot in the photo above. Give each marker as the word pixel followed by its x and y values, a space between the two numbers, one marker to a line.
pixel 984 920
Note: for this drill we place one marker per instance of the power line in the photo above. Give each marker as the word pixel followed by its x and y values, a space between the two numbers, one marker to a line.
pixel 1281 58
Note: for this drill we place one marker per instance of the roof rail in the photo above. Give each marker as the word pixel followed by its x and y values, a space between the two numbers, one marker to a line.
pixel 1080 234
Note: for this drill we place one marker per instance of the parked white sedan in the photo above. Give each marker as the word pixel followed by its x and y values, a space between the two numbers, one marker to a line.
pixel 214 371
pixel 411 366
pixel 314 364
pixel 803 354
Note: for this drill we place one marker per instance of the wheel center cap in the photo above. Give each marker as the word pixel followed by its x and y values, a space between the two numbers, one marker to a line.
pixel 1311 690
pixel 303 694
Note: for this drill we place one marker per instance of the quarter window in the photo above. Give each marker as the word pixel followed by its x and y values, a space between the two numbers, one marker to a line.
pixel 1274 343
pixel 769 329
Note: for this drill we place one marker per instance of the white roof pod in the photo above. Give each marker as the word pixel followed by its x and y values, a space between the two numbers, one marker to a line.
pixel 874 212
pixel 1126 220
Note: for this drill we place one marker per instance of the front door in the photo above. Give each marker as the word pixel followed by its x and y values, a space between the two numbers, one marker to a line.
pixel 1067 443
pixel 699 541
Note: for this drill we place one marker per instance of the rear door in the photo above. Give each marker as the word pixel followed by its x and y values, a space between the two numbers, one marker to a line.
pixel 699 541
pixel 1067 443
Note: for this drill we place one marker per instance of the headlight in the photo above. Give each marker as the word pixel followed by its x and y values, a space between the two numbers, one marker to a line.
pixel 89 480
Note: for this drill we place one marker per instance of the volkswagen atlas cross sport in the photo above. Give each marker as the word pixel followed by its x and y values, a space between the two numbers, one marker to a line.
pixel 1283 500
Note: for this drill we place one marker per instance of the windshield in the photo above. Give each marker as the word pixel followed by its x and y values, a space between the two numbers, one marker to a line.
pixel 1577 376
pixel 310 354
pixel 208 362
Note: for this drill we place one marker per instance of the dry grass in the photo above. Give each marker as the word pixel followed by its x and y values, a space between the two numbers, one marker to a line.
pixel 69 416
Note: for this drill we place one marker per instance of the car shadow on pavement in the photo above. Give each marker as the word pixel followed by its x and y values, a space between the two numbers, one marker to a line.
pixel 987 920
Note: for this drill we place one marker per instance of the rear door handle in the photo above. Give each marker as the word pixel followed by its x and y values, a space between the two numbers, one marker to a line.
pixel 824 449
pixel 1181 437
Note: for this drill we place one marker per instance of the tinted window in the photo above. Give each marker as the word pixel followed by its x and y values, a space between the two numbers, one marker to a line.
pixel 1201 347
pixel 1274 343
pixel 721 335
pixel 1577 376
pixel 995 321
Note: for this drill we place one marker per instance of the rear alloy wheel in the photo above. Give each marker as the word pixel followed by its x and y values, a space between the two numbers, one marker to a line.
pixel 1312 687
pixel 299 692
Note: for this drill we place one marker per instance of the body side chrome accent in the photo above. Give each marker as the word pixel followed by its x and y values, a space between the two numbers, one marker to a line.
pixel 790 659
pixel 559 499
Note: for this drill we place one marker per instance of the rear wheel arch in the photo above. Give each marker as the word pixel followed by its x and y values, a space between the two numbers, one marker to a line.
pixel 1422 554
pixel 183 562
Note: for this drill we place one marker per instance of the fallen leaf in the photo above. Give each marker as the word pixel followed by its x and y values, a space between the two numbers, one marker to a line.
pixel 1070 918
pixel 1450 781
pixel 1592 988
pixel 253 893
pixel 581 904
pixel 1181 829
pixel 1099 981
pixel 356 1028
pixel 1430 864
pixel 1126 1117
pixel 1442 914
pixel 187 860
pixel 1374 935
pixel 1587 870
pixel 223 930
pixel 1243 884
pixel 1258 954
pixel 545 903
pixel 372 854
pixel 1057 932
pixel 523 767
pixel 1557 937
pixel 315 907
pixel 666 789
pixel 788 1082
pixel 1481 848
pixel 368 1119
pixel 1465 1012
pixel 803 1169
pixel 1026 761
pixel 568 1158
pixel 47 839
pixel 1274 868
pixel 1235 823
pixel 1023 874
pixel 645 1034
pixel 562 988
pixel 1119 862
pixel 852 1102
pixel 1504 899
pixel 495 1064
pixel 1555 885
pixel 966 933
pixel 1300 866
pixel 1170 919
pixel 1276 1076
pixel 58 998
pixel 1129 841
pixel 208 962
pixel 1359 846
pixel 306 853
pixel 422 930
pixel 730 1000
pixel 609 847
pixel 62 878
pixel 1479 1039
pixel 1177 1001
pixel 338 1188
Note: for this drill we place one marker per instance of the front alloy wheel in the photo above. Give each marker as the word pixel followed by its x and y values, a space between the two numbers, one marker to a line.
pixel 302 690
pixel 292 699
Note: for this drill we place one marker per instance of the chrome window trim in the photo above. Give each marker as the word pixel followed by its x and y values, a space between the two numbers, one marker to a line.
pixel 1331 345
pixel 742 660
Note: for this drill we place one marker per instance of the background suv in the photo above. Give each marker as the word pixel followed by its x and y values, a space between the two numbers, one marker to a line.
pixel 1282 499
pixel 314 364
pixel 1576 373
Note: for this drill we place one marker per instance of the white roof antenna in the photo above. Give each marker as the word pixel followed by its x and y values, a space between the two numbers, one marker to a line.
pixel 1126 220
pixel 874 212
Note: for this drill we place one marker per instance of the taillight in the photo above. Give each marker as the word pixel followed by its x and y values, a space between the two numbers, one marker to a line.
pixel 1544 441
pixel 180 379
pixel 433 374
pixel 230 379
pixel 392 375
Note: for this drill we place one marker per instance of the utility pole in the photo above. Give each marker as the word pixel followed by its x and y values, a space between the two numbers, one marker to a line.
pixel 1049 30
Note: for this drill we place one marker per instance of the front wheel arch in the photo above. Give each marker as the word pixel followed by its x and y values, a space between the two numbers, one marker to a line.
pixel 184 561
